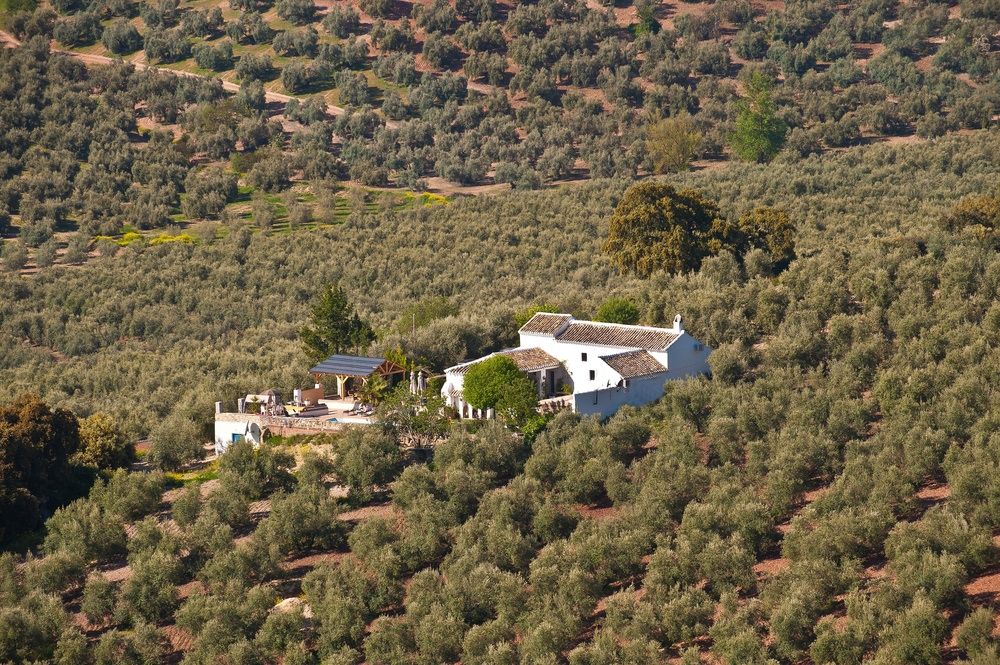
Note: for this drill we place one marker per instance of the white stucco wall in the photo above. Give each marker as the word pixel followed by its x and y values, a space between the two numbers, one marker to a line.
pixel 684 358
pixel 453 384
pixel 571 356
pixel 604 403
pixel 228 425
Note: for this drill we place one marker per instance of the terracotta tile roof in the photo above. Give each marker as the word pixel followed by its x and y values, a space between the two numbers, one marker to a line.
pixel 527 360
pixel 544 323
pixel 633 364
pixel 615 334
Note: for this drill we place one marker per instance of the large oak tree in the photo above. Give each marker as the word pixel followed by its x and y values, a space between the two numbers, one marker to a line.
pixel 36 444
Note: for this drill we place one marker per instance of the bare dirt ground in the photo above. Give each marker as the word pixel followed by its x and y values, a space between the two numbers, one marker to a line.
pixel 385 511
pixel 598 513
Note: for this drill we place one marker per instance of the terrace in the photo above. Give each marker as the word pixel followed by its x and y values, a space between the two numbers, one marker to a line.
pixel 310 410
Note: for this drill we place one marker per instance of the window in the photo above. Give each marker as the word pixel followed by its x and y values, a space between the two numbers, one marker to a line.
pixel 583 357
pixel 593 375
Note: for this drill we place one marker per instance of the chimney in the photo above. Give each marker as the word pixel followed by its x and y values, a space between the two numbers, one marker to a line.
pixel 241 405
pixel 218 407
pixel 678 323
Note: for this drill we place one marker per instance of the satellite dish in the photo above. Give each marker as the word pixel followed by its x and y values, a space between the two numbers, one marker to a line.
pixel 254 434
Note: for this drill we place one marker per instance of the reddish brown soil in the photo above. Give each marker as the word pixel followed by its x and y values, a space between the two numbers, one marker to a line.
pixel 387 511
pixel 301 565
pixel 597 512
pixel 770 567
pixel 180 640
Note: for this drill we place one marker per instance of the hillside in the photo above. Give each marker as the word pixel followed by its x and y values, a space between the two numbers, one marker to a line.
pixel 284 112
pixel 178 327
pixel 828 496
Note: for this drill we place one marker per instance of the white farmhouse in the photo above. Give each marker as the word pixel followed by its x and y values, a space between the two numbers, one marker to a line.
pixel 592 367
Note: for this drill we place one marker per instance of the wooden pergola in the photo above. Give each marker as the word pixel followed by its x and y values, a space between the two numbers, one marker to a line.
pixel 344 367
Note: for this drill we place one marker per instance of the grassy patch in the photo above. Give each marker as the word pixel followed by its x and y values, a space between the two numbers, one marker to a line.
pixel 327 211
pixel 209 472
pixel 11 6
pixel 165 238
pixel 325 439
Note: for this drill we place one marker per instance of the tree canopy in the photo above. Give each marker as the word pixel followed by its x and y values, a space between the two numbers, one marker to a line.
pixel 759 132
pixel 657 227
pixel 618 309
pixel 104 444
pixel 672 143
pixel 36 446
pixel 827 495
pixel 335 326
pixel 496 383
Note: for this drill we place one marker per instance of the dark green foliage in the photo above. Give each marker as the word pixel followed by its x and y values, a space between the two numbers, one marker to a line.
pixel 335 326
pixel 142 645
pixel 978 215
pixel 618 310
pixel 217 58
pixel 306 519
pixel 78 30
pixel 175 442
pixel 975 635
pixel 299 12
pixel 129 495
pixel 166 46
pixel 30 627
pixel 56 572
pixel 441 51
pixel 203 23
pixel 14 255
pixel 759 133
pixel 11 6
pixel 657 227
pixel 254 473
pixel 497 383
pixel 225 622
pixel 103 444
pixel 99 599
pixel 364 460
pixel 254 67
pixel 344 598
pixel 771 230
pixel 207 191
pixel 150 594
pixel 296 42
pixel 36 445
pixel 188 505
pixel 271 173
pixel 376 8
pixel 341 21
